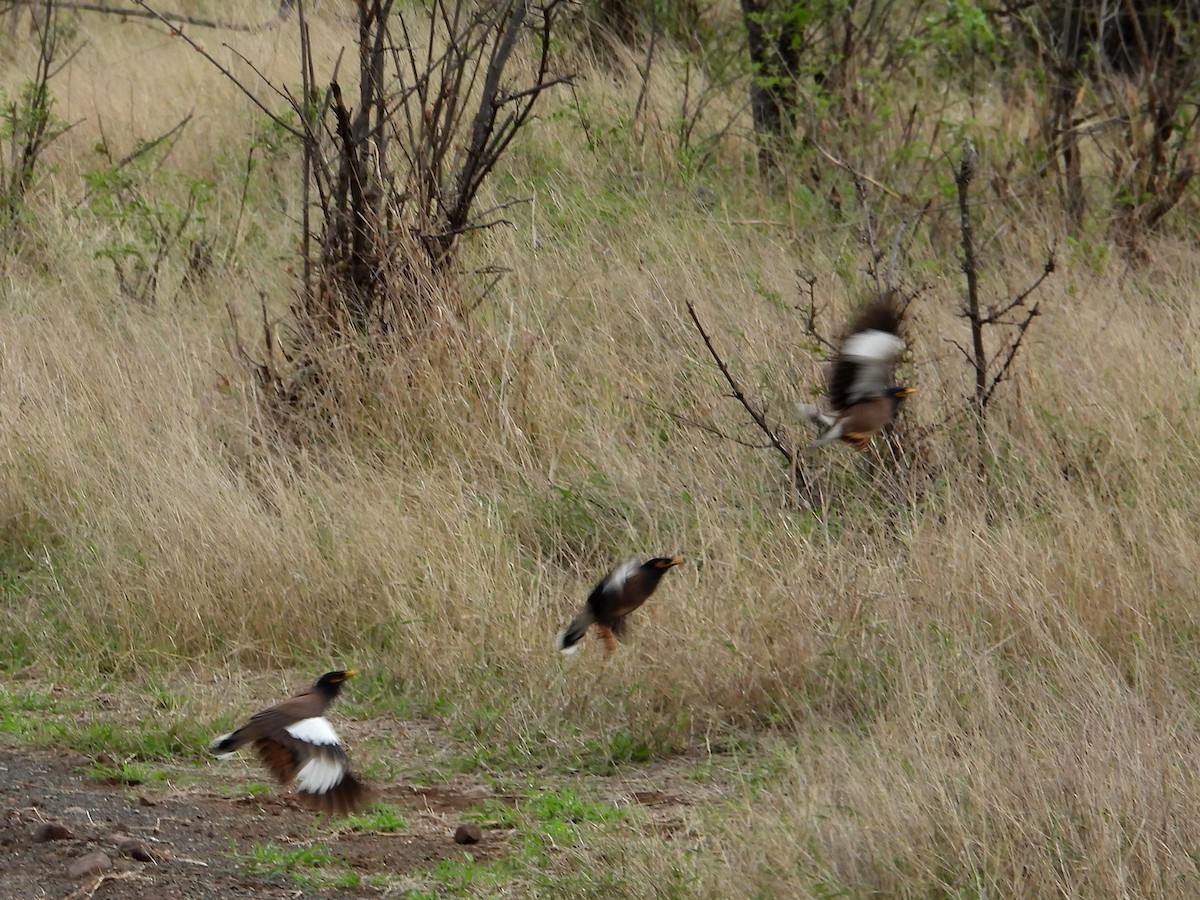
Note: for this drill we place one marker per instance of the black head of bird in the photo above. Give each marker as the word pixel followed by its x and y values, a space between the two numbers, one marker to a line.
pixel 860 388
pixel 297 743
pixel 330 684
pixel 614 597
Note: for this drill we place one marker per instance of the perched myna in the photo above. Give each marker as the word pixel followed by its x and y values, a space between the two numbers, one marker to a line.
pixel 296 742
pixel 618 594
pixel 860 388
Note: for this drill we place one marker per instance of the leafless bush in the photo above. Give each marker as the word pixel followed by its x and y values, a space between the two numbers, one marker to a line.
pixel 393 173
pixel 1014 315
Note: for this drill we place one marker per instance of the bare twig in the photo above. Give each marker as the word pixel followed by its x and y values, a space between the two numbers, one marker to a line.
pixel 859 175
pixel 738 394
pixel 1019 300
pixel 644 70
pixel 810 314
pixel 707 427
pixel 985 386
pixel 1013 348
pixel 169 17
pixel 220 67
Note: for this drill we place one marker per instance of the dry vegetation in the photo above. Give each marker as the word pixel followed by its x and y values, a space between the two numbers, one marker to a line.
pixel 950 688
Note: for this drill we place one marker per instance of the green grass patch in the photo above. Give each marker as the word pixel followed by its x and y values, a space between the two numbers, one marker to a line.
pixel 253 789
pixel 313 866
pixel 381 818
pixel 127 773
pixel 543 822
pixel 468 877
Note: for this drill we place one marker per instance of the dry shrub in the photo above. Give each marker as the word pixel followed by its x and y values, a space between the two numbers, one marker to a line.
pixel 983 690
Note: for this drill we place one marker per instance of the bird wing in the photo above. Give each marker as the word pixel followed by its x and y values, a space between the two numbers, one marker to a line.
pixel 282 714
pixel 308 752
pixel 863 367
pixel 614 581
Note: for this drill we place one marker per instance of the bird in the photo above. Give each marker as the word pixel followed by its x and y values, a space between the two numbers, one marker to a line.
pixel 860 386
pixel 296 743
pixel 618 593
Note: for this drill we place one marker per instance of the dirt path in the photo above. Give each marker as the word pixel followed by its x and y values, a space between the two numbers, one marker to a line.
pixel 168 842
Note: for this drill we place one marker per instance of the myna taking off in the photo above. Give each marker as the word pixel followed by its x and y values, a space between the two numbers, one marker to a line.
pixel 618 594
pixel 860 388
pixel 296 743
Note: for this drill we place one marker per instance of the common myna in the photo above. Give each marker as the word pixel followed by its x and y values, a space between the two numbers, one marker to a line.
pixel 296 742
pixel 618 594
pixel 860 388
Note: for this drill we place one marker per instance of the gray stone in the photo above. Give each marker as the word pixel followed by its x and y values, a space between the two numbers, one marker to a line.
pixel 468 833
pixel 52 831
pixel 92 864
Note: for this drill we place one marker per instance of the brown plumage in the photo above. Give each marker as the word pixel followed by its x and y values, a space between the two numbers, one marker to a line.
pixel 860 389
pixel 295 742
pixel 617 594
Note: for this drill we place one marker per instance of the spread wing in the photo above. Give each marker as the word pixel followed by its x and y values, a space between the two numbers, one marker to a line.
pixel 310 754
pixel 606 599
pixel 863 366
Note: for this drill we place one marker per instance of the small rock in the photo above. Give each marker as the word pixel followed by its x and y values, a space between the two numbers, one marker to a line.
pixel 146 801
pixel 92 864
pixel 468 833
pixel 135 849
pixel 52 831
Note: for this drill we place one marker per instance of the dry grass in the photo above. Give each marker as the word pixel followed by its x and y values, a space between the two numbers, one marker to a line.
pixel 984 693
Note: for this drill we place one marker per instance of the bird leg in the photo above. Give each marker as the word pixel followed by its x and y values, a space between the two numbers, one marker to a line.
pixel 610 640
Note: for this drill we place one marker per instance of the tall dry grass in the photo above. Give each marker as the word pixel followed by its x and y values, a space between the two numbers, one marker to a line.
pixel 983 691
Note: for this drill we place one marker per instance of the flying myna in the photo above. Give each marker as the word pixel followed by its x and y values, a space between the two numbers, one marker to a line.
pixel 860 386
pixel 618 594
pixel 295 742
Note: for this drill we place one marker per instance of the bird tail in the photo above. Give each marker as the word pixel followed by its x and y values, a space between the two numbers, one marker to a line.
pixel 570 636
pixel 346 797
pixel 226 744
pixel 814 414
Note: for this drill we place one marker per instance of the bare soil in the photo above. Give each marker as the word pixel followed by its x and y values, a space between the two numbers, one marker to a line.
pixel 199 842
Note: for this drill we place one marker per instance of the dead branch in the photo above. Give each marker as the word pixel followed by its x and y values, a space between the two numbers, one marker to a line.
pixel 1013 348
pixel 1019 300
pixel 220 67
pixel 148 13
pixel 854 173
pixel 738 394
pixel 977 358
pixel 810 313
pixel 962 178
pixel 706 427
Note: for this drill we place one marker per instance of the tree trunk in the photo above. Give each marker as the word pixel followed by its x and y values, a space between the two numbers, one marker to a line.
pixel 774 56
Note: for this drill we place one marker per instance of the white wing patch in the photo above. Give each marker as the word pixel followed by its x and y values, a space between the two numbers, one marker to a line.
pixel 615 583
pixel 320 774
pixel 874 345
pixel 315 730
